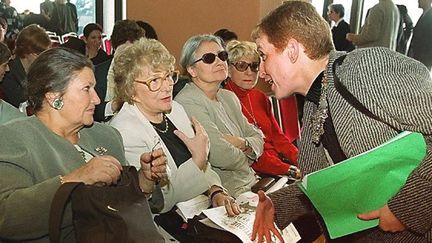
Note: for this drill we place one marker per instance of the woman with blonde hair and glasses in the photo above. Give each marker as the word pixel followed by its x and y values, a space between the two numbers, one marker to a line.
pixel 235 143
pixel 280 155
pixel 144 75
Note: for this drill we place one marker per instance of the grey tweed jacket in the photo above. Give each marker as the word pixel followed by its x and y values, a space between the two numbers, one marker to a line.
pixel 398 90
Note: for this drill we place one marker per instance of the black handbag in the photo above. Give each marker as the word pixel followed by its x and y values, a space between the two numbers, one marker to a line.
pixel 117 213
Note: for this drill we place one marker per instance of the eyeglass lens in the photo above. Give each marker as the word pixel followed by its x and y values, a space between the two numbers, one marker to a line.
pixel 242 66
pixel 156 83
pixel 209 58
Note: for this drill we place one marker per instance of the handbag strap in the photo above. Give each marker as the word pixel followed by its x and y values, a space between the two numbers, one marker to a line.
pixel 350 98
pixel 58 205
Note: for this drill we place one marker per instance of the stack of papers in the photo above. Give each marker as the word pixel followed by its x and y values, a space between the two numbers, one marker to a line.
pixel 241 225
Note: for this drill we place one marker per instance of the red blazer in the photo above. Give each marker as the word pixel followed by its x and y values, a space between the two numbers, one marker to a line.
pixel 257 109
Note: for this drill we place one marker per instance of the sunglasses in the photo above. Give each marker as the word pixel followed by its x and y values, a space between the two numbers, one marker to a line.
pixel 209 58
pixel 242 66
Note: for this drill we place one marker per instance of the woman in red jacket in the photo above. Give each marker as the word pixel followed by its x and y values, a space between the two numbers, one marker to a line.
pixel 280 155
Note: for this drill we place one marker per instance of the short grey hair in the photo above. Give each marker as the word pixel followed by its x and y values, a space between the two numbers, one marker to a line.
pixel 187 57
pixel 338 8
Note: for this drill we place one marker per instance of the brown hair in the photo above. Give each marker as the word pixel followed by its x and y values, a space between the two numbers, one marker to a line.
pixel 126 30
pixel 298 20
pixel 31 39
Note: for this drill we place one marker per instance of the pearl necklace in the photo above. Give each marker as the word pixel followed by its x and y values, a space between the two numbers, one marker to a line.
pixel 165 120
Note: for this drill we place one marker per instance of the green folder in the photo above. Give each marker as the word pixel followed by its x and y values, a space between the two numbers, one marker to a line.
pixel 363 183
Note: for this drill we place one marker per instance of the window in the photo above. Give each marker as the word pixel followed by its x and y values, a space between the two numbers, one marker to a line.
pixel 319 6
pixel 85 9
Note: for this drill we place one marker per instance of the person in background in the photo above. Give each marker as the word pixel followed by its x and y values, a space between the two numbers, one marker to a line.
pixel 31 41
pixel 32 18
pixel 47 9
pixel 235 143
pixel 150 32
pixel 15 23
pixel 280 155
pixel 295 46
pixel 59 144
pixel 144 75
pixel 124 33
pixel 3 29
pixel 64 18
pixel 380 27
pixel 7 111
pixel 226 35
pixel 93 41
pixel 340 29
pixel 90 44
pixel 421 45
pixel 405 29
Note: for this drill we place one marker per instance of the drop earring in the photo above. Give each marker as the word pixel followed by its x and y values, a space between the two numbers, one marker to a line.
pixel 57 104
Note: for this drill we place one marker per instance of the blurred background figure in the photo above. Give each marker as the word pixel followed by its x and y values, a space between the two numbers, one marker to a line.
pixel 93 42
pixel 90 45
pixel 3 29
pixel 421 44
pixel 150 32
pixel 279 153
pixel 405 29
pixel 340 29
pixel 14 21
pixel 64 18
pixel 380 27
pixel 7 111
pixel 31 41
pixel 47 9
pixel 29 18
pixel 226 35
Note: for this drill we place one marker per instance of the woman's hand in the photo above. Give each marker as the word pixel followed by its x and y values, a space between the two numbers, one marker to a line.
pixel 103 169
pixel 153 169
pixel 221 198
pixel 198 145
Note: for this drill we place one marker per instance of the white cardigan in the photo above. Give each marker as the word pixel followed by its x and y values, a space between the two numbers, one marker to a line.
pixel 139 136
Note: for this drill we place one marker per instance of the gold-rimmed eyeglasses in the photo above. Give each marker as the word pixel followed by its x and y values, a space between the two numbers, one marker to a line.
pixel 155 83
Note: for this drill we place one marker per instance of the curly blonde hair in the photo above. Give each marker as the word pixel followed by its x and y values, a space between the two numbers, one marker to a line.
pixel 129 62
pixel 241 49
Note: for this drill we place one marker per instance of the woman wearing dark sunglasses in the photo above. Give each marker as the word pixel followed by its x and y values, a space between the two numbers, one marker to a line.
pixel 235 143
pixel 243 76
